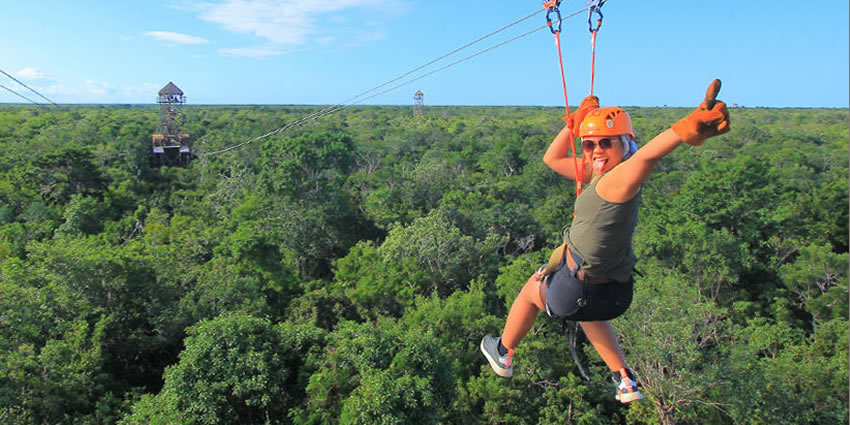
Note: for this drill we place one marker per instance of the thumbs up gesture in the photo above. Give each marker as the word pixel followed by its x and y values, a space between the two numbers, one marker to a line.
pixel 710 119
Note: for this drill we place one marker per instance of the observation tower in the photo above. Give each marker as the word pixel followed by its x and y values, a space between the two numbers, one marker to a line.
pixel 171 146
pixel 418 105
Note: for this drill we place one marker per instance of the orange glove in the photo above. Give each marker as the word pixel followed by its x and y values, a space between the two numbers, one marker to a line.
pixel 709 120
pixel 587 104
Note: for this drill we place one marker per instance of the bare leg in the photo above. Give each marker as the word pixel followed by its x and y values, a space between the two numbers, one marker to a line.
pixel 601 335
pixel 523 312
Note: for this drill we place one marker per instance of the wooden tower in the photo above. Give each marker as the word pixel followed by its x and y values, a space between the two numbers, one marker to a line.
pixel 171 146
pixel 418 105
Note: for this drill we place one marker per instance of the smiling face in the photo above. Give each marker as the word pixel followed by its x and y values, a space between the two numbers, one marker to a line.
pixel 604 152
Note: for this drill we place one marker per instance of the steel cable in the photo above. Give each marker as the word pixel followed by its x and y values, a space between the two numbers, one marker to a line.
pixel 28 87
pixel 20 95
pixel 348 102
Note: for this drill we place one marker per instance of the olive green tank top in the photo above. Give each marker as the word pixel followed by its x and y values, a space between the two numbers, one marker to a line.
pixel 601 234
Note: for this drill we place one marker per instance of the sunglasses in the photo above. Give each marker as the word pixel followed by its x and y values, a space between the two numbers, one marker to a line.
pixel 589 145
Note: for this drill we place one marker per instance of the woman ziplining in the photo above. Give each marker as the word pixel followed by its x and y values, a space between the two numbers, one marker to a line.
pixel 589 277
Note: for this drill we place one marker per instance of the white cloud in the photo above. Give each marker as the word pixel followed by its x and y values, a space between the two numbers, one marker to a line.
pixel 325 40
pixel 143 89
pixel 251 52
pixel 96 91
pixel 281 22
pixel 173 37
pixel 30 74
pixel 97 88
pixel 55 89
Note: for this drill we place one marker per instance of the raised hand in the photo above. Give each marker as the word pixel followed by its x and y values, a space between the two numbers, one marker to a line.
pixel 710 119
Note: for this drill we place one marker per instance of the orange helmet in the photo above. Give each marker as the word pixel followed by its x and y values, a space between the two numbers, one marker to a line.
pixel 608 121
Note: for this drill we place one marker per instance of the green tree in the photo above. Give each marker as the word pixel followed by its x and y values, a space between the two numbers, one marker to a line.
pixel 668 335
pixel 451 258
pixel 378 374
pixel 376 286
pixel 235 369
pixel 83 215
pixel 322 307
pixel 51 350
pixel 817 284
pixel 308 164
pixel 57 381
pixel 57 176
pixel 456 324
pixel 142 329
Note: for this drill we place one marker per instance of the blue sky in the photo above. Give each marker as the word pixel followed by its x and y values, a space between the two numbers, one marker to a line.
pixel 649 53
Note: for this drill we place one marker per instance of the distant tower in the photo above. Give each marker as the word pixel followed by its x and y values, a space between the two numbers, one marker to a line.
pixel 418 107
pixel 171 146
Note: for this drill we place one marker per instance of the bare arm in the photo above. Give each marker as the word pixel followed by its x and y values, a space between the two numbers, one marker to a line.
pixel 558 157
pixel 710 119
pixel 623 182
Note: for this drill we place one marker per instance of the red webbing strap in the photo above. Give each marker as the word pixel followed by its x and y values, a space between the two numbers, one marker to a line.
pixel 592 59
pixel 594 6
pixel 579 171
pixel 592 78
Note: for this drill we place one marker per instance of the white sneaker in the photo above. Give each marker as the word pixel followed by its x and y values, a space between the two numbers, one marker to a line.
pixel 502 365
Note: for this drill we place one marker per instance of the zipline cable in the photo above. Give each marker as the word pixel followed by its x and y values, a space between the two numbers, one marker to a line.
pixel 28 87
pixel 20 95
pixel 440 58
pixel 342 105
pixel 348 102
pixel 449 65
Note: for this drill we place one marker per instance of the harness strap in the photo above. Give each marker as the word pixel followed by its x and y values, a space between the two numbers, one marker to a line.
pixel 571 343
pixel 552 7
pixel 592 59
pixel 555 259
pixel 593 6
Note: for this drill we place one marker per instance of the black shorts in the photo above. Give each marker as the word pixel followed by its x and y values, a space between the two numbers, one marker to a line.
pixel 572 298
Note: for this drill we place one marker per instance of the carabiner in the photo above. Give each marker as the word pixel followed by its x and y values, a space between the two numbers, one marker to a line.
pixel 552 7
pixel 594 6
